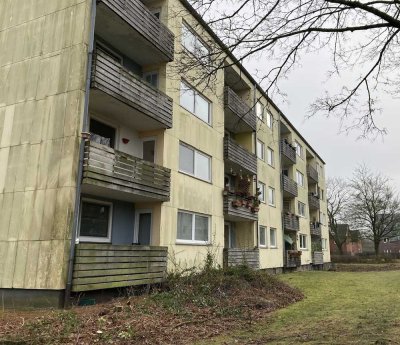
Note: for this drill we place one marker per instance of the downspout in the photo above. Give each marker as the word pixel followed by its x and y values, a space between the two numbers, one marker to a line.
pixel 281 185
pixel 84 136
pixel 255 148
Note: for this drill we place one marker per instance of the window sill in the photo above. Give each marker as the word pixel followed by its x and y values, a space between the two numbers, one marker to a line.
pixel 192 243
pixel 272 205
pixel 273 247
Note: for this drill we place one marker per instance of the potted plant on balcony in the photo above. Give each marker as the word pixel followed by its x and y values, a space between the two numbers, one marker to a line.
pixel 237 203
pixel 256 205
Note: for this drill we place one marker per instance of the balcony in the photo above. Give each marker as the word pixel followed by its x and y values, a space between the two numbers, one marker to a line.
pixel 288 153
pixel 242 256
pixel 134 31
pixel 313 202
pixel 312 174
pixel 293 258
pixel 291 222
pixel 289 187
pixel 315 229
pixel 318 258
pixel 239 209
pixel 104 266
pixel 238 158
pixel 239 117
pixel 119 93
pixel 111 173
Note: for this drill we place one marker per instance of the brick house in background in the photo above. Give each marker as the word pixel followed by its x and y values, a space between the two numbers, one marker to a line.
pixel 353 244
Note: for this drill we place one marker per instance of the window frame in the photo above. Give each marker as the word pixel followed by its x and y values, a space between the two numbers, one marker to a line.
pixel 195 151
pixel 262 150
pixel 324 244
pixel 299 173
pixel 273 230
pixel 303 215
pixel 271 189
pixel 304 237
pixel 193 241
pixel 196 94
pixel 270 119
pixel 272 163
pixel 299 149
pixel 93 239
pixel 265 245
pixel 197 39
pixel 263 190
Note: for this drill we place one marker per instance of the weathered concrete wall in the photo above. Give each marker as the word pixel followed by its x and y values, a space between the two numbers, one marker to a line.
pixel 43 60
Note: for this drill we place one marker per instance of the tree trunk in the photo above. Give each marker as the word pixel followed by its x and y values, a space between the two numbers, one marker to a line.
pixel 340 247
pixel 376 245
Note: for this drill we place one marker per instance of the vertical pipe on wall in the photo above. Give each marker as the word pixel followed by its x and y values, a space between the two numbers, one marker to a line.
pixel 85 130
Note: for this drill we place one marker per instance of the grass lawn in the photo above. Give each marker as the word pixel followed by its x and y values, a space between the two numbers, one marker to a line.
pixel 338 308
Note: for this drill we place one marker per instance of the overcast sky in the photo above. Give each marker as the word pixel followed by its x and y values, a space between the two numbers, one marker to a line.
pixel 341 152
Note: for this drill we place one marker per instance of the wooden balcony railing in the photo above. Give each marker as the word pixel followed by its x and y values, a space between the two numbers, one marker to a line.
pixel 293 258
pixel 289 187
pixel 238 155
pixel 291 222
pixel 242 256
pixel 312 174
pixel 288 152
pixel 140 18
pixel 115 80
pixel 239 117
pixel 238 209
pixel 109 168
pixel 315 229
pixel 318 258
pixel 313 202
pixel 104 266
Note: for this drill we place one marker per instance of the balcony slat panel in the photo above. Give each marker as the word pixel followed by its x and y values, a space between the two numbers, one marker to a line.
pixel 315 230
pixel 98 266
pixel 313 202
pixel 112 78
pixel 289 186
pixel 312 173
pixel 239 155
pixel 240 212
pixel 240 109
pixel 138 16
pixel 288 151
pixel 291 222
pixel 240 256
pixel 102 167
pixel 318 258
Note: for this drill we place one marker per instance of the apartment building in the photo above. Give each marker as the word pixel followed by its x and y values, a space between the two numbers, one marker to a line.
pixel 114 168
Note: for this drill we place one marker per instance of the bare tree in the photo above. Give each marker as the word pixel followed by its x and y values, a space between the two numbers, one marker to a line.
pixel 361 36
pixel 374 205
pixel 337 200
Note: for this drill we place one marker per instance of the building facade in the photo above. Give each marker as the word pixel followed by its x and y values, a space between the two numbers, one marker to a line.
pixel 116 164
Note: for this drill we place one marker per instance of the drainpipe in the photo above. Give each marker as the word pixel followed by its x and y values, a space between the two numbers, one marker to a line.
pixel 255 147
pixel 84 136
pixel 281 184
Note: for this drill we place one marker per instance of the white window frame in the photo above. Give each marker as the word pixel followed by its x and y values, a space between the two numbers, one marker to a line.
pixel 324 244
pixel 110 218
pixel 304 209
pixel 299 149
pixel 196 94
pixel 259 236
pixel 298 174
pixel 263 190
pixel 270 154
pixel 270 119
pixel 192 241
pixel 198 152
pixel 260 110
pixel 262 148
pixel 197 41
pixel 303 238
pixel 273 245
pixel 271 192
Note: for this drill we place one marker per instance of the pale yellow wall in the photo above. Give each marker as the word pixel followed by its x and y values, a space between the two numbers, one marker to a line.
pixel 43 58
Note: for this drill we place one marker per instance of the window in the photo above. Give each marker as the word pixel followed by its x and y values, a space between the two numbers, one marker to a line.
pixel 260 150
pixel 303 241
pixel 260 110
pixel 194 44
pixel 263 236
pixel 301 207
pixel 194 162
pixel 96 221
pixel 151 78
pixel 270 157
pixel 193 227
pixel 101 133
pixel 270 119
pixel 194 102
pixel 261 186
pixel 272 238
pixel 299 178
pixel 299 149
pixel 324 243
pixel 321 194
pixel 271 196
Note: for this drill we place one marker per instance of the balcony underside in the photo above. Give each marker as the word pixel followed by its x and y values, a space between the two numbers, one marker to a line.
pixel 235 123
pixel 133 37
pixel 104 266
